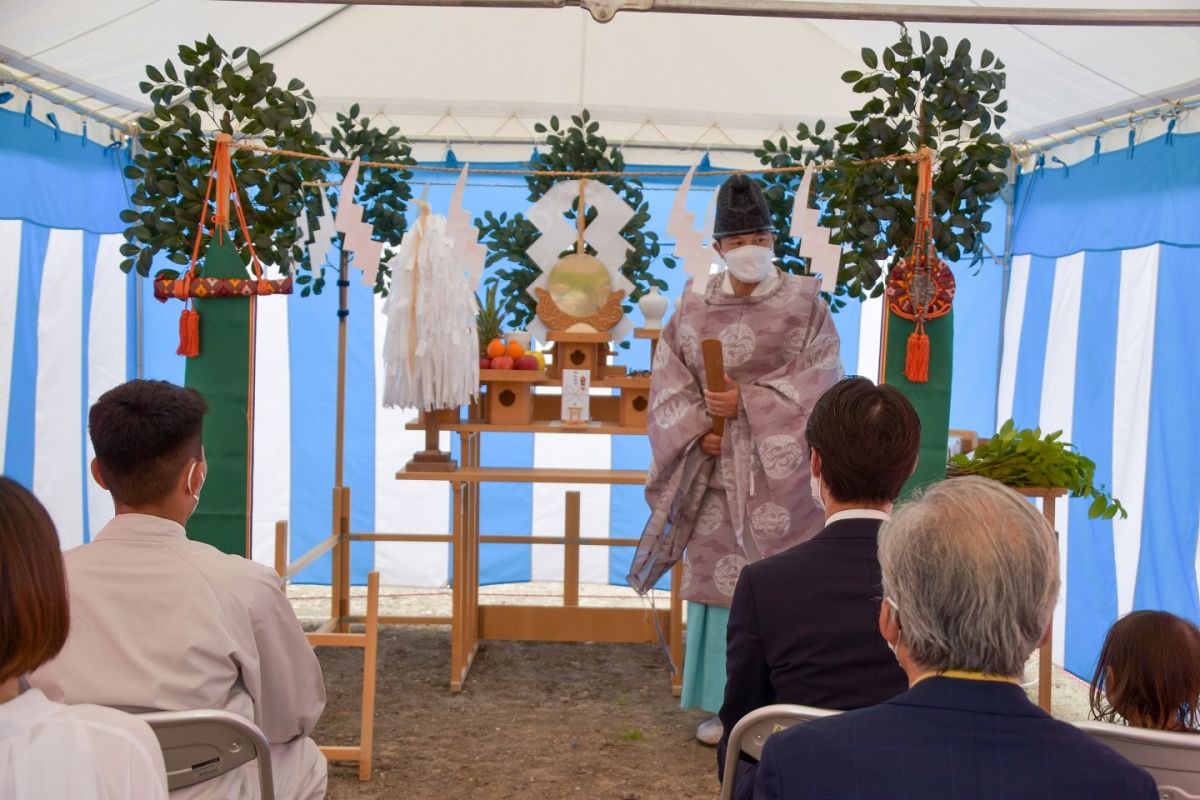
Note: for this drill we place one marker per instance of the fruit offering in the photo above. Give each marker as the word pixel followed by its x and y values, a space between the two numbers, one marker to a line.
pixel 514 350
pixel 495 348
pixel 525 362
pixel 502 362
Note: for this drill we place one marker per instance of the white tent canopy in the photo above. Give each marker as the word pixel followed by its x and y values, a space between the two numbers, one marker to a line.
pixel 485 75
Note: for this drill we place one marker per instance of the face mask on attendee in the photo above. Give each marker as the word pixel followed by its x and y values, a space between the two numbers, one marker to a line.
pixel 750 264
pixel 815 484
pixel 896 613
pixel 203 478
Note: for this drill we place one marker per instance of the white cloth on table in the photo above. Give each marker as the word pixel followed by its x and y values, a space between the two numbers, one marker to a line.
pixel 49 751
pixel 163 622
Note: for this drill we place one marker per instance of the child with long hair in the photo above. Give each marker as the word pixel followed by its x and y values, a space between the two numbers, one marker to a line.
pixel 1148 675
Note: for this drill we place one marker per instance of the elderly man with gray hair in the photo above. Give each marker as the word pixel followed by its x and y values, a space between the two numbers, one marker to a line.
pixel 970 579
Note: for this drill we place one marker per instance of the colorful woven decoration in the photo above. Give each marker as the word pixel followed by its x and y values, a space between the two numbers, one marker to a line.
pixel 191 284
pixel 165 288
pixel 921 287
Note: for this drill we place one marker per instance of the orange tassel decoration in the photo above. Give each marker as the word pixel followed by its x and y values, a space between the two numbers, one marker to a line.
pixel 189 333
pixel 920 286
pixel 220 176
pixel 916 359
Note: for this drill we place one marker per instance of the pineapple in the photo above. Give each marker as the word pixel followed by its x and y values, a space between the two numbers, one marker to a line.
pixel 488 319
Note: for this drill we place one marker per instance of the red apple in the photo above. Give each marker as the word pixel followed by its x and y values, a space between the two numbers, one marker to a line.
pixel 502 362
pixel 485 362
pixel 526 362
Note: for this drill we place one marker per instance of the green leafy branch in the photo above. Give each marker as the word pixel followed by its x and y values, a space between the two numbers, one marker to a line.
pixel 931 98
pixel 382 192
pixel 1023 458
pixel 170 172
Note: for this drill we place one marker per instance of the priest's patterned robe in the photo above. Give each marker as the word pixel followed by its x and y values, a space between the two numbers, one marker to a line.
pixel 781 348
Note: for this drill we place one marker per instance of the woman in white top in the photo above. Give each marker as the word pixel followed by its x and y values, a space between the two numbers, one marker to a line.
pixel 50 750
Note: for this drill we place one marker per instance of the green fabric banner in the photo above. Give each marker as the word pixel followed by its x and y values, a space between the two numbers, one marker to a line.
pixel 932 399
pixel 222 374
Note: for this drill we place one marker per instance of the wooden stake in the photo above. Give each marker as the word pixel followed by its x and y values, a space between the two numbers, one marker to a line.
pixel 676 617
pixel 370 657
pixel 339 552
pixel 1046 654
pixel 571 552
pixel 344 539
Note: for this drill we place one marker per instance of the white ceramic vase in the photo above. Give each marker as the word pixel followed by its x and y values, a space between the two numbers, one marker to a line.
pixel 654 307
pixel 523 337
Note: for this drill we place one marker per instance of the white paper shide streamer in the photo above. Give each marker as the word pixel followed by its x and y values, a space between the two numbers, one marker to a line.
pixel 358 233
pixel 690 245
pixel 430 349
pixel 814 240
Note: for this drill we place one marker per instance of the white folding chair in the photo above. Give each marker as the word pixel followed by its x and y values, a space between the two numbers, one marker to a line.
pixel 201 745
pixel 1173 759
pixel 751 731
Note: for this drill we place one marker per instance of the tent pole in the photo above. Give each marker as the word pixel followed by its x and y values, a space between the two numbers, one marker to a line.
pixel 605 10
pixel 1006 266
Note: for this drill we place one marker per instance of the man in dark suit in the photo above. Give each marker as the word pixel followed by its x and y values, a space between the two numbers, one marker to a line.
pixel 803 626
pixel 970 578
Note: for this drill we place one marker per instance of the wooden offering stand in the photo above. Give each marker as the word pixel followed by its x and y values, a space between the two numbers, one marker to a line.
pixel 511 403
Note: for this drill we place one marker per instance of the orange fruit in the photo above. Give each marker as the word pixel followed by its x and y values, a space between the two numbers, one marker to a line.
pixel 495 348
pixel 514 350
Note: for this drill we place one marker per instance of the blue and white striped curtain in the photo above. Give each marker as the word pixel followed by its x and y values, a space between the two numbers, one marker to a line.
pixel 1097 337
pixel 64 330
pixel 1102 341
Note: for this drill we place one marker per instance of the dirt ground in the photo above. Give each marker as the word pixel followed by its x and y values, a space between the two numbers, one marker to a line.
pixel 536 719
pixel 539 720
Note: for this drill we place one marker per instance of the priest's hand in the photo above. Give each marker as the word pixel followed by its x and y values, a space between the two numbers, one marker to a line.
pixel 723 404
pixel 710 444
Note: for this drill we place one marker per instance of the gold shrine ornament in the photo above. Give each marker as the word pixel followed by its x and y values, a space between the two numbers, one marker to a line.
pixel 580 296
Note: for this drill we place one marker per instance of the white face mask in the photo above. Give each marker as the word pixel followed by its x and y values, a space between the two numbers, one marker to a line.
pixel 750 264
pixel 895 612
pixel 203 478
pixel 815 484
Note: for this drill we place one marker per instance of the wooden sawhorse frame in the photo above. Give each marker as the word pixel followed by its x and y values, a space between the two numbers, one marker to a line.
pixel 324 636
pixel 472 622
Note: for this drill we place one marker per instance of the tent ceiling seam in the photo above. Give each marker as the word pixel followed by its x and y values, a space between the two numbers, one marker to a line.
pixel 1077 63
pixel 1063 55
pixel 94 28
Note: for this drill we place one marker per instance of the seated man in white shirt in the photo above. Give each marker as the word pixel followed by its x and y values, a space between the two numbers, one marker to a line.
pixel 163 622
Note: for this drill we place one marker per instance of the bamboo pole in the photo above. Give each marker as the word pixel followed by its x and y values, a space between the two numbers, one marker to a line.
pixel 339 456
